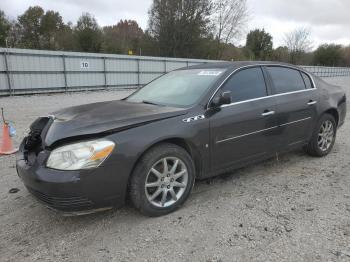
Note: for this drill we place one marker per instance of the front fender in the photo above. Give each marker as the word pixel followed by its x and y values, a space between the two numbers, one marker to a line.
pixel 131 144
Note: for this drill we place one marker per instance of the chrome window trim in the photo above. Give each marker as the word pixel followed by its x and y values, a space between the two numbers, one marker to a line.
pixel 259 98
pixel 265 97
pixel 260 131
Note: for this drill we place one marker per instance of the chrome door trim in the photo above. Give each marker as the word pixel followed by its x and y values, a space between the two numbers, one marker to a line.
pixel 260 131
pixel 297 121
pixel 259 98
pixel 248 134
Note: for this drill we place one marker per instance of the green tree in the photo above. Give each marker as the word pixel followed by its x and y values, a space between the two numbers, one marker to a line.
pixel 179 26
pixel 149 45
pixel 124 36
pixel 50 25
pixel 280 54
pixel 260 44
pixel 5 27
pixel 37 29
pixel 233 53
pixel 65 39
pixel 328 55
pixel 88 34
pixel 15 35
pixel 346 55
pixel 29 24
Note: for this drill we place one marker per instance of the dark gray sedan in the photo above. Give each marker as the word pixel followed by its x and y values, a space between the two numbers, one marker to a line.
pixel 192 123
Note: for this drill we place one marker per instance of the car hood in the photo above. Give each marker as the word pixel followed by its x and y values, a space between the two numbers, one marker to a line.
pixel 105 117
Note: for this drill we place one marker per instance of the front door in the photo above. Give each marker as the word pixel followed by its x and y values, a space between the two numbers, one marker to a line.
pixel 243 130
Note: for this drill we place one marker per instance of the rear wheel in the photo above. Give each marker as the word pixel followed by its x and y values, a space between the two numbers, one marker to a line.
pixel 323 138
pixel 162 180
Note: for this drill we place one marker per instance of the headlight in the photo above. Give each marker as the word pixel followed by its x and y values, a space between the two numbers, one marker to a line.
pixel 82 155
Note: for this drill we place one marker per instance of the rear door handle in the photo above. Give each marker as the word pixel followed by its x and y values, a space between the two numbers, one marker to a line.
pixel 311 103
pixel 268 113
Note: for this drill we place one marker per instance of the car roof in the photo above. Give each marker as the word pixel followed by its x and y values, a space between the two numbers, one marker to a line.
pixel 237 64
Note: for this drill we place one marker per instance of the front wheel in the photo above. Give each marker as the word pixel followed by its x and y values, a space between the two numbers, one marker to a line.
pixel 323 137
pixel 162 180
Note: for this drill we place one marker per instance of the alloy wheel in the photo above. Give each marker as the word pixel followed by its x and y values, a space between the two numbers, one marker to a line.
pixel 166 182
pixel 325 135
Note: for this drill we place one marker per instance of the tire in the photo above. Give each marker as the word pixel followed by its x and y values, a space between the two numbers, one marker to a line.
pixel 169 179
pixel 314 147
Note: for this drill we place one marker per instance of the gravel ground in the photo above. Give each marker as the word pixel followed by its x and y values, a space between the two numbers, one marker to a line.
pixel 296 208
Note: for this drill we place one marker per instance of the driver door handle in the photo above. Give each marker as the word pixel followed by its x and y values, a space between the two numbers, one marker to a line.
pixel 311 102
pixel 268 113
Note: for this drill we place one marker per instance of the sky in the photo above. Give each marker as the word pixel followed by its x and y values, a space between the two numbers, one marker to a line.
pixel 327 20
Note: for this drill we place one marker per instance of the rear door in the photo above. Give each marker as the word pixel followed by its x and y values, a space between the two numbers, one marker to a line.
pixel 296 102
pixel 243 130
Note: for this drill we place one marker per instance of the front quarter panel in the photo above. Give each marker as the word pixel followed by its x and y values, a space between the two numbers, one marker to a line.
pixel 133 143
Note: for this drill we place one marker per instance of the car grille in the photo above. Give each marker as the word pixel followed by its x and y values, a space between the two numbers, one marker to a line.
pixel 63 203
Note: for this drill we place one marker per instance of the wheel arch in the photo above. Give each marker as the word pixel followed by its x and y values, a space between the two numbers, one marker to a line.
pixel 181 142
pixel 333 112
pixel 190 149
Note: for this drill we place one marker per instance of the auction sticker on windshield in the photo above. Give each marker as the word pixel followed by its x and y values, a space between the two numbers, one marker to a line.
pixel 209 73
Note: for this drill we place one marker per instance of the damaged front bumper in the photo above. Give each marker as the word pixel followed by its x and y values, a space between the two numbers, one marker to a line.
pixel 68 191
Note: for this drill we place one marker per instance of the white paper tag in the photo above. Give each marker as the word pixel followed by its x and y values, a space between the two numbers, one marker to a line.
pixel 209 73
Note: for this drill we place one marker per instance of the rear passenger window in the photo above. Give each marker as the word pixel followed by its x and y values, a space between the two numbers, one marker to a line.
pixel 307 81
pixel 246 84
pixel 286 80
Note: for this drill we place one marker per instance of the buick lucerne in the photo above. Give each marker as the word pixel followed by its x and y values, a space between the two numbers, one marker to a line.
pixel 192 123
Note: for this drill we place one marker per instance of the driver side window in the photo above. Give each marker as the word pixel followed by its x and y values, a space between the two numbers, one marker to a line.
pixel 246 84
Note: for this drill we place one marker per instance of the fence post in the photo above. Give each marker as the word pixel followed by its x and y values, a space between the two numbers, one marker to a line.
pixel 104 71
pixel 138 73
pixel 65 73
pixel 8 73
pixel 165 66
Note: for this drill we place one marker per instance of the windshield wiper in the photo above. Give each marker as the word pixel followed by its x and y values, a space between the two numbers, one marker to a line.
pixel 150 103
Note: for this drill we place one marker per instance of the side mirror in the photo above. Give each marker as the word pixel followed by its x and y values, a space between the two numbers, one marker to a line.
pixel 223 99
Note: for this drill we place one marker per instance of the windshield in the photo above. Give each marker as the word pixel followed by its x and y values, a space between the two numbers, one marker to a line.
pixel 178 88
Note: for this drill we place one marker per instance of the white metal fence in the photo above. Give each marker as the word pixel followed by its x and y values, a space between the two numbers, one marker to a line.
pixel 24 71
pixel 323 71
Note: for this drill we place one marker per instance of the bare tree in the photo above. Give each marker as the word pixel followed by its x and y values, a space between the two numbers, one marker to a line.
pixel 298 42
pixel 229 17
